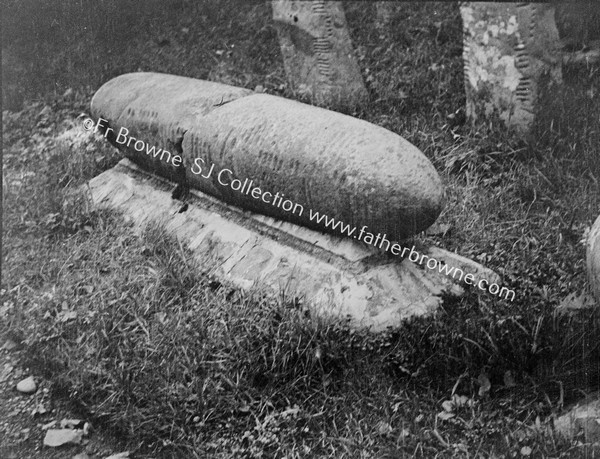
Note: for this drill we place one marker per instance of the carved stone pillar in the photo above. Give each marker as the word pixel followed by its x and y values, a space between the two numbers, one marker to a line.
pixel 317 52
pixel 512 55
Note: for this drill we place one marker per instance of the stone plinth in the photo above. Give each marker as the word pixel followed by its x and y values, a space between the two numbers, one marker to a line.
pixel 333 276
pixel 272 155
pixel 317 52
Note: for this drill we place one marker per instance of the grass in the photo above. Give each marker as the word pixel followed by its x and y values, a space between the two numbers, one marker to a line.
pixel 141 340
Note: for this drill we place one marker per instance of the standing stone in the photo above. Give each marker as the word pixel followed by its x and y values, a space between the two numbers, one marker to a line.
pixel 512 55
pixel 317 52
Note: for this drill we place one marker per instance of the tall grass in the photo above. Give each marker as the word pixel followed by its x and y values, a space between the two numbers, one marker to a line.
pixel 142 341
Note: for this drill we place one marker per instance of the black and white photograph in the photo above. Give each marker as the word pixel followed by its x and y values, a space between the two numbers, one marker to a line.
pixel 300 229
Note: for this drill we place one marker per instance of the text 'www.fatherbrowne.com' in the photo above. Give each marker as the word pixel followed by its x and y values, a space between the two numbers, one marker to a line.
pixel 382 242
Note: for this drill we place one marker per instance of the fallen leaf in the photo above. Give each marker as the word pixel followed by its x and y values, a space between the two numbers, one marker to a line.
pixel 39 410
pixel 448 405
pixel 65 316
pixel 461 400
pixel 484 384
pixel 244 409
pixel 290 411
pixel 9 345
pixel 444 416
pixel 162 317
pixel 526 451
pixel 573 302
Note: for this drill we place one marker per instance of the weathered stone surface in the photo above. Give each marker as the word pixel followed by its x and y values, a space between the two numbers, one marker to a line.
pixel 159 109
pixel 593 258
pixel 327 162
pixel 512 55
pixel 316 159
pixel 333 276
pixel 317 51
pixel 582 418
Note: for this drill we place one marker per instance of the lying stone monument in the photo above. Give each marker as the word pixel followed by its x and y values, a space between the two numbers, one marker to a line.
pixel 256 168
pixel 512 56
pixel 317 52
pixel 306 158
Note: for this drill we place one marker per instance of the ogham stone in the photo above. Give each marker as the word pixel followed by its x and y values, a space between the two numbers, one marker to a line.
pixel 317 52
pixel 326 162
pixel 512 57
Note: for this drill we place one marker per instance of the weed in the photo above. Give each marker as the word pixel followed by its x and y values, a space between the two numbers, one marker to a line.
pixel 142 341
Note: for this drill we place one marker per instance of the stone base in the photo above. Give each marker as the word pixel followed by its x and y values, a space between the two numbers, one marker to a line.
pixel 334 276
pixel 512 56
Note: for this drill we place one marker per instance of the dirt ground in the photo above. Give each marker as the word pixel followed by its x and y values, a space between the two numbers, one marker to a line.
pixel 25 418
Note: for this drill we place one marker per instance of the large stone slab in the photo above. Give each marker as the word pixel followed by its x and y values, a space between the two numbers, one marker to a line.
pixel 271 155
pixel 333 276
pixel 317 52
